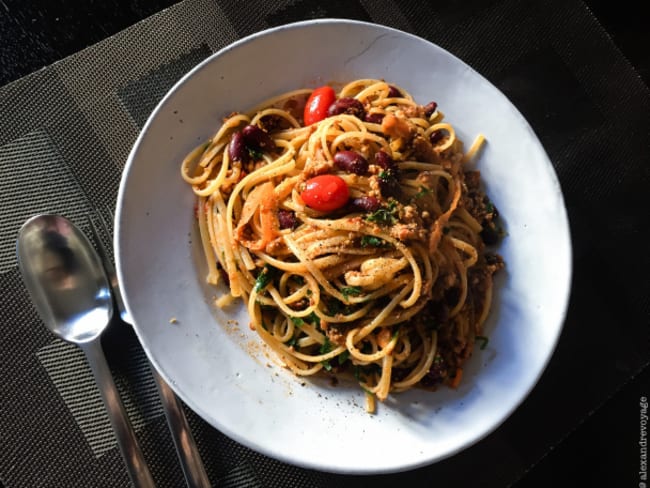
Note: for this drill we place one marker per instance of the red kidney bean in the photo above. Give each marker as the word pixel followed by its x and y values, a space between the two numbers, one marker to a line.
pixel 347 105
pixel 367 204
pixel 351 161
pixel 256 138
pixel 393 92
pixel 237 148
pixel 287 219
pixel 383 160
pixel 436 136
pixel 430 108
pixel 374 118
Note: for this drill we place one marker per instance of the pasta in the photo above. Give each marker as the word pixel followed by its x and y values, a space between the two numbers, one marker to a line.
pixel 357 242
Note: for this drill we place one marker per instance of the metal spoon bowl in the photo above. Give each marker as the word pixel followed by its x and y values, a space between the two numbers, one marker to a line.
pixel 71 293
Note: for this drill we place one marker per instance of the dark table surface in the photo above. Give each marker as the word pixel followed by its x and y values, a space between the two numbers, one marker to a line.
pixel 601 451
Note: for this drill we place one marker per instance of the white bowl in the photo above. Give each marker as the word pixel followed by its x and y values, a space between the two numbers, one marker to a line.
pixel 211 359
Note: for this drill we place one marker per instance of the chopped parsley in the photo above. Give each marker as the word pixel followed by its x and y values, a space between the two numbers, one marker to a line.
pixel 264 278
pixel 483 340
pixel 299 280
pixel 384 215
pixel 343 357
pixel 348 291
pixel 255 154
pixel 326 346
pixel 361 373
pixel 311 318
pixel 423 191
pixel 324 349
pixel 297 321
pixel 372 241
pixel 314 319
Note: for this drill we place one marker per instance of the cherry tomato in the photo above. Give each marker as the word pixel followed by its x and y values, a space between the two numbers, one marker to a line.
pixel 318 103
pixel 325 193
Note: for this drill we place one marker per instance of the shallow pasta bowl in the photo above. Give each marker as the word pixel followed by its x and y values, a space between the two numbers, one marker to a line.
pixel 218 366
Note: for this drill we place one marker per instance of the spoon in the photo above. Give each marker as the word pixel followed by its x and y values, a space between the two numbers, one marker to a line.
pixel 71 293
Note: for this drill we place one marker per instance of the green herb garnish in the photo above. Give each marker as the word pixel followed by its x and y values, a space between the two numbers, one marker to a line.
pixel 326 346
pixel 483 340
pixel 343 357
pixel 314 319
pixel 348 291
pixel 297 321
pixel 299 280
pixel 264 278
pixel 311 318
pixel 255 154
pixel 423 191
pixel 334 306
pixel 372 241
pixel 384 215
pixel 324 349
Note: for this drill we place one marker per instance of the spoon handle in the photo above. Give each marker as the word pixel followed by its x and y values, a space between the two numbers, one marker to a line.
pixel 195 475
pixel 188 453
pixel 126 440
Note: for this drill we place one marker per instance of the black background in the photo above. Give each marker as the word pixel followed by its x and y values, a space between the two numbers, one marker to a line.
pixel 603 450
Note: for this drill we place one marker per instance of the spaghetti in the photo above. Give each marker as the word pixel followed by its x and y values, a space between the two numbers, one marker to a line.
pixel 358 242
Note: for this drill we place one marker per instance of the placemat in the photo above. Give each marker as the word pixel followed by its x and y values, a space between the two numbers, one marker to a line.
pixel 65 134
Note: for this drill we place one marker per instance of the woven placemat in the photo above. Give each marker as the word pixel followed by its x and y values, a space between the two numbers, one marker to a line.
pixel 66 131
